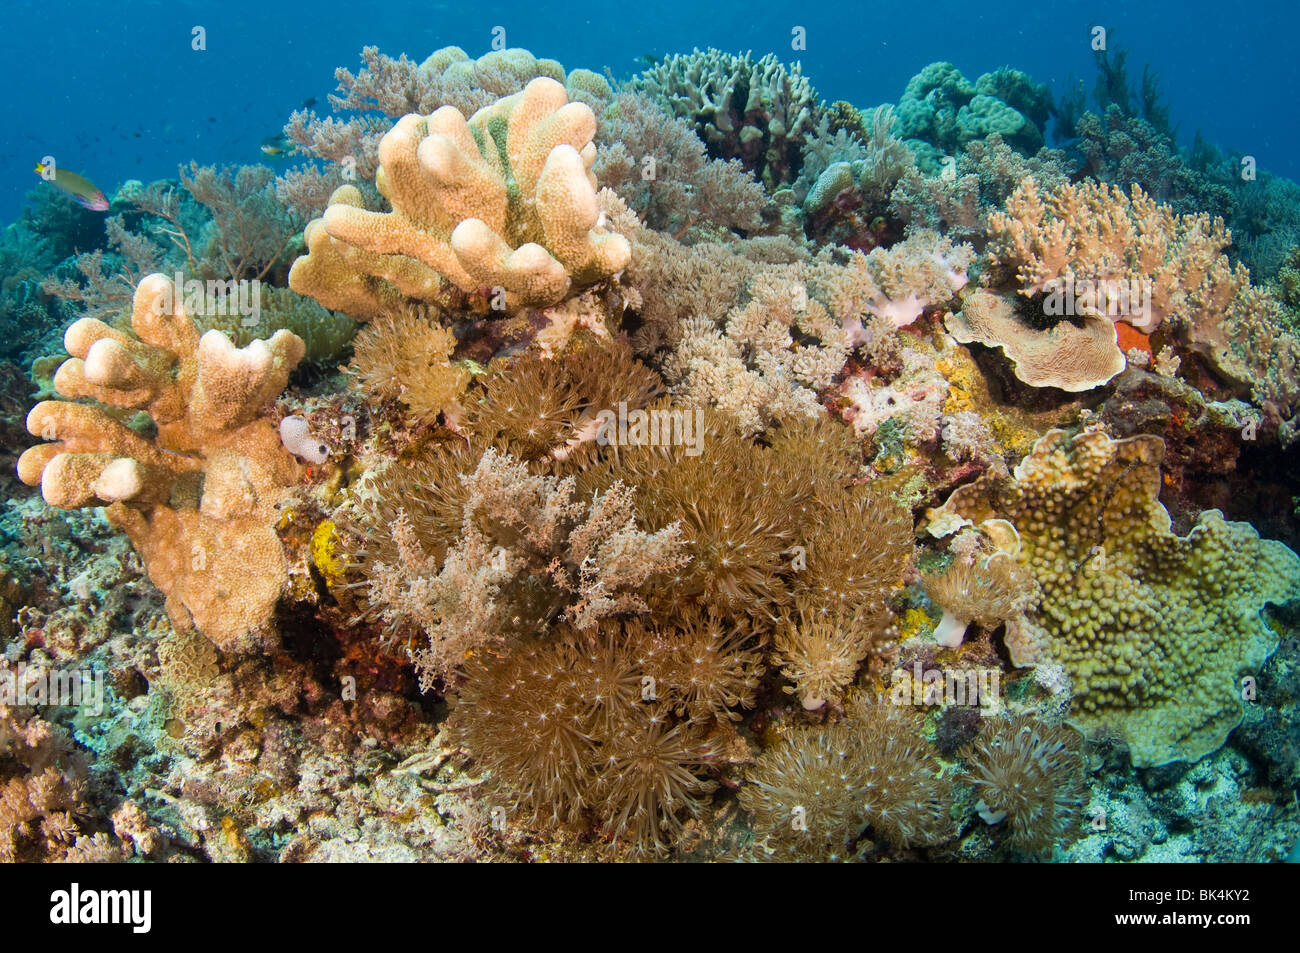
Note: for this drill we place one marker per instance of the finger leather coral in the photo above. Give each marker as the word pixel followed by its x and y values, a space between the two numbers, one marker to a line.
pixel 196 500
pixel 503 203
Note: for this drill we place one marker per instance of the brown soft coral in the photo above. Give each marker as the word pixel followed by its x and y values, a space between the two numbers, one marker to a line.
pixel 197 500
pixel 1030 774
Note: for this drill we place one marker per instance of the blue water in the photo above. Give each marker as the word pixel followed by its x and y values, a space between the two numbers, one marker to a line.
pixel 115 91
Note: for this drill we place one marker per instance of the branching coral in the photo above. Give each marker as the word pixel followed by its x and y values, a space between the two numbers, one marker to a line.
pixel 1030 775
pixel 1154 629
pixel 198 499
pixel 519 532
pixel 774 356
pixel 658 166
pixel 505 200
pixel 43 804
pixel 1120 243
pixel 760 112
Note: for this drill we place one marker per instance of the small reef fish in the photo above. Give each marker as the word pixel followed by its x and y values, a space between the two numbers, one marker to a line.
pixel 279 145
pixel 77 187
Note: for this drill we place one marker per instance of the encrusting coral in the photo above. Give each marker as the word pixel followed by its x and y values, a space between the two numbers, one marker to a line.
pixel 504 201
pixel 197 500
pixel 1153 629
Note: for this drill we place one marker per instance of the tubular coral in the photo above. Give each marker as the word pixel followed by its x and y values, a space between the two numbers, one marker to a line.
pixel 197 501
pixel 405 358
pixel 1029 774
pixel 506 200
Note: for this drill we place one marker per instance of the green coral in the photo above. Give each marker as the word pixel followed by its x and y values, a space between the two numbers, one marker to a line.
pixel 1155 630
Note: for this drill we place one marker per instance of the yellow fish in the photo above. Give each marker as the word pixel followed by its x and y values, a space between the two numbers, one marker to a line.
pixel 77 187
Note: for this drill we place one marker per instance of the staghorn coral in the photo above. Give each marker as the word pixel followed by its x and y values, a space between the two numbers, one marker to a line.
pixel 1153 629
pixel 197 500
pixel 1146 263
pixel 812 795
pixel 1030 775
pixel 505 200
pixel 405 358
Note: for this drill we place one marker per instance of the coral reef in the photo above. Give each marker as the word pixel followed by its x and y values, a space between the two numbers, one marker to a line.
pixel 758 111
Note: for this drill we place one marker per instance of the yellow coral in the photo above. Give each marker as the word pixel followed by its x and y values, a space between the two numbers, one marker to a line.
pixel 326 553
pixel 506 201
pixel 197 500
pixel 1155 630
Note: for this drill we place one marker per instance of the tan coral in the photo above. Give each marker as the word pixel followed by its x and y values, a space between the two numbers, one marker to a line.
pixel 1069 356
pixel 1099 234
pixel 197 499
pixel 506 200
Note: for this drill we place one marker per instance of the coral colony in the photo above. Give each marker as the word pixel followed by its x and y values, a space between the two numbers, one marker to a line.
pixel 690 469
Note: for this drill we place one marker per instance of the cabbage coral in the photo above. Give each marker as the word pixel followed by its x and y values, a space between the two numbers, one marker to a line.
pixel 1154 629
